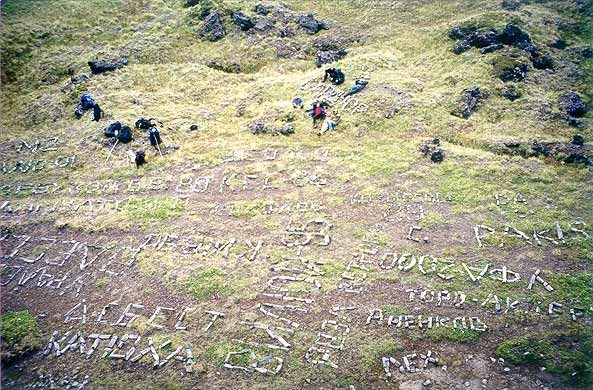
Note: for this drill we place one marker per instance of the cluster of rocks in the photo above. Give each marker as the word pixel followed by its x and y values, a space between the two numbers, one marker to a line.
pixel 49 381
pixel 489 40
pixel 432 148
pixel 574 106
pixel 102 66
pixel 213 22
pixel 470 100
pixel 259 127
pixel 574 152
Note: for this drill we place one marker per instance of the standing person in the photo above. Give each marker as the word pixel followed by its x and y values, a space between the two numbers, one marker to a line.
pixel 359 85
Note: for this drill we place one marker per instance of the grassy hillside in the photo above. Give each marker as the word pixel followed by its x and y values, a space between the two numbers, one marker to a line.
pixel 261 185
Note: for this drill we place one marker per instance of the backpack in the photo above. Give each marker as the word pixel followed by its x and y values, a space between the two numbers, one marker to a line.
pixel 318 110
pixel 339 77
pixel 124 135
pixel 140 158
pixel 143 124
pixel 97 113
pixel 113 129
pixel 86 102
pixel 154 136
pixel 78 112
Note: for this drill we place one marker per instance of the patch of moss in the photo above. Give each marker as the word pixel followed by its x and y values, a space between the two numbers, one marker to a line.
pixel 157 208
pixel 206 283
pixel 568 352
pixel 19 334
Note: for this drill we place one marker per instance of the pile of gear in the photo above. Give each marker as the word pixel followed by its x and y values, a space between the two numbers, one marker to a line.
pixel 87 103
pixel 432 148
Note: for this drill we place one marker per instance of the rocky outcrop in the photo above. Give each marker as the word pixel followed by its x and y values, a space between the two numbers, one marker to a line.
pixel 469 102
pixel 102 66
pixel 573 105
pixel 212 27
pixel 310 24
pixel 242 21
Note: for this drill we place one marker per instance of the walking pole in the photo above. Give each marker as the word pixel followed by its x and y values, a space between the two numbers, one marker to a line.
pixel 158 147
pixel 111 151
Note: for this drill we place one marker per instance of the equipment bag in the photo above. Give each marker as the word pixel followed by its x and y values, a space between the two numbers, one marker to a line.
pixel 124 135
pixel 87 102
pixel 113 129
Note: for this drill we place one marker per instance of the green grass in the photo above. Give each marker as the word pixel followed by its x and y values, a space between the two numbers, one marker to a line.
pixel 153 209
pixel 567 352
pixel 19 334
pixel 453 335
pixel 206 283
pixel 375 349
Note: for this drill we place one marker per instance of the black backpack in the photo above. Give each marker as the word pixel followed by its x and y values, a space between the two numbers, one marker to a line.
pixel 143 124
pixel 113 129
pixel 125 134
pixel 97 113
pixel 140 158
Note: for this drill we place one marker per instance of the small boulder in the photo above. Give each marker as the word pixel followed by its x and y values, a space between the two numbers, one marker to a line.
pixel 513 35
pixel 287 129
pixel 578 140
pixel 264 25
pixel 542 61
pixel 481 39
pixel 243 21
pixel 469 102
pixel 458 32
pixel 329 56
pixel 261 10
pixel 573 105
pixel 462 46
pixel 559 43
pixel 310 24
pixel 212 28
pixel 102 66
pixel 514 73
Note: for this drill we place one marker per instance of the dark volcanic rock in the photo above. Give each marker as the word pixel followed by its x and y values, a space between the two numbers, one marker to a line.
pixel 578 140
pixel 559 43
pixel 458 32
pixel 212 28
pixel 514 73
pixel 261 10
pixel 107 66
pixel 462 46
pixel 569 153
pixel 573 104
pixel 542 61
pixel 191 3
pixel 491 48
pixel 243 21
pixel 310 24
pixel 329 56
pixel 513 35
pixel 469 102
pixel 263 25
pixel 481 39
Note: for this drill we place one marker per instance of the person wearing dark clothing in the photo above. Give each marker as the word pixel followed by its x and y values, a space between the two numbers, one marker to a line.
pixel 318 112
pixel 335 75
pixel 359 85
pixel 97 113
